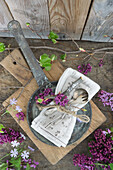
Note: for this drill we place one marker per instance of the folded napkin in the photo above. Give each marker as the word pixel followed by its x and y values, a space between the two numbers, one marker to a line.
pixel 55 126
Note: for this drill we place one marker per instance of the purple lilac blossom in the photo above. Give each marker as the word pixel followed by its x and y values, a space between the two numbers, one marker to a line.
pixel 20 116
pixel 101 63
pixel 83 161
pixel 47 92
pixel 106 98
pixel 101 152
pixel 84 68
pixel 61 99
pixel 31 163
pixel 10 135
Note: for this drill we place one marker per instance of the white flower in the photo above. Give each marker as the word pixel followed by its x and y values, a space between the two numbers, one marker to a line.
pixel 22 136
pixel 15 143
pixel 14 153
pixel 13 101
pixel 25 154
pixel 18 108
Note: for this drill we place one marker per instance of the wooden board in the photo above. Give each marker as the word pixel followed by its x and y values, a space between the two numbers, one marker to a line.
pixel 100 21
pixel 53 154
pixel 68 16
pixel 5 15
pixel 35 12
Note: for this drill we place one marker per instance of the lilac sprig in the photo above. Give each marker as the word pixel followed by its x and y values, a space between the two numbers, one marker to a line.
pixel 83 161
pixel 10 135
pixel 101 147
pixel 106 98
pixel 84 68
pixel 48 95
pixel 101 150
pixel 32 164
pixel 61 99
pixel 20 116
pixel 45 100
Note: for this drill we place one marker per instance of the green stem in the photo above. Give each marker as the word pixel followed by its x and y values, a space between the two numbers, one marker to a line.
pixel 3 113
pixel 100 164
pixel 4 156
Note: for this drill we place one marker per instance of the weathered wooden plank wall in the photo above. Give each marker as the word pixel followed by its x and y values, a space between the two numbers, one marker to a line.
pixel 5 15
pixel 78 18
pixel 100 21
pixel 33 11
pixel 68 16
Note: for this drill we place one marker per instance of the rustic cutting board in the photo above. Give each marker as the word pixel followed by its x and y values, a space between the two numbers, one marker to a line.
pixel 16 65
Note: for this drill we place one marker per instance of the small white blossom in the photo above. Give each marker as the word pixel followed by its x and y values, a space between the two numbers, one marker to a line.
pixel 13 101
pixel 18 108
pixel 22 135
pixel 15 143
pixel 25 154
pixel 14 153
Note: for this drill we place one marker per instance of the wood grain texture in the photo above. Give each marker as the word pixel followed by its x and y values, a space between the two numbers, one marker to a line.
pixel 68 16
pixel 53 154
pixel 5 15
pixel 35 12
pixel 100 21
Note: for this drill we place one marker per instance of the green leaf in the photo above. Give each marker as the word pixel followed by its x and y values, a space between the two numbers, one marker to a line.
pixel 84 110
pixel 16 162
pixel 2 47
pixel 54 41
pixel 52 35
pixel 111 129
pixel 63 57
pixel 3 166
pixel 53 57
pixel 7 111
pixel 28 24
pixel 1 126
pixel 111 166
pixel 28 167
pixel 44 57
pixel 40 100
pixel 47 68
pixel 112 138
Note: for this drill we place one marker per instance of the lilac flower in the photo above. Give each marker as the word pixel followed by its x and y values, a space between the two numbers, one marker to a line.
pixel 10 135
pixel 20 116
pixel 25 154
pixel 18 108
pixel 101 63
pixel 14 153
pixel 22 136
pixel 13 101
pixel 15 143
pixel 61 99
pixel 84 68
pixel 106 98
pixel 84 162
pixel 36 163
pixel 101 152
pixel 31 148
pixel 33 165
